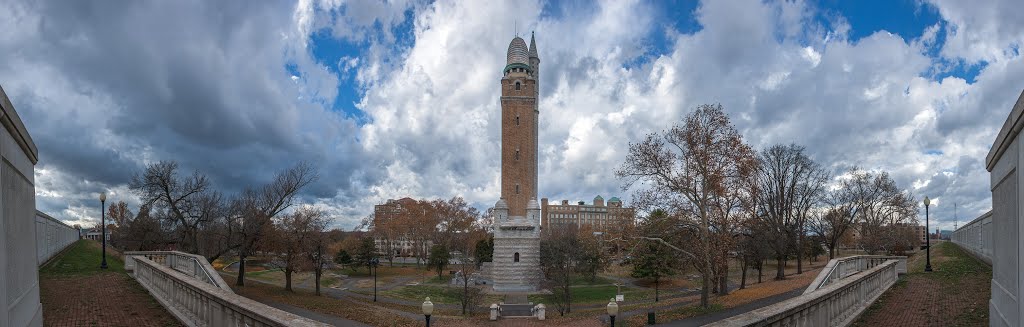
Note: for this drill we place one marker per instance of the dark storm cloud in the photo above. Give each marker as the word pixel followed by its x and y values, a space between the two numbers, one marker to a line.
pixel 202 83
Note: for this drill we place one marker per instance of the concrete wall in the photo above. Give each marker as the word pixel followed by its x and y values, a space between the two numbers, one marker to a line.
pixel 1002 162
pixel 976 237
pixel 19 275
pixel 52 236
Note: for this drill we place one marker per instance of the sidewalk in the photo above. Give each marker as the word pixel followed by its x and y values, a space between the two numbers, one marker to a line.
pixel 74 291
pixel 955 294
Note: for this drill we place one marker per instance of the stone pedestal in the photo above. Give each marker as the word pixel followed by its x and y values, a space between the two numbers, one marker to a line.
pixel 516 259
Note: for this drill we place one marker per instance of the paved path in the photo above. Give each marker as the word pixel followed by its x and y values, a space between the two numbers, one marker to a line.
pixel 956 293
pixel 719 315
pixel 328 319
pixel 75 292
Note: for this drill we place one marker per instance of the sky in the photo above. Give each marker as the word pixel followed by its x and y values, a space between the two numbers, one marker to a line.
pixel 390 99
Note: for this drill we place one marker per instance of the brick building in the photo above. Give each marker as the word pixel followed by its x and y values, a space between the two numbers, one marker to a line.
pixel 600 216
pixel 392 241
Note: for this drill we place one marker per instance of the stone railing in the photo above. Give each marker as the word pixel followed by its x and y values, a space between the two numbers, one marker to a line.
pixel 840 268
pixel 837 304
pixel 194 266
pixel 197 303
pixel 976 237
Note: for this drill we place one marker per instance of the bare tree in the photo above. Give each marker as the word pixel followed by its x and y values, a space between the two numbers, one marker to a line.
pixel 319 245
pixel 256 209
pixel 865 200
pixel 790 184
pixel 187 202
pixel 559 256
pixel 696 169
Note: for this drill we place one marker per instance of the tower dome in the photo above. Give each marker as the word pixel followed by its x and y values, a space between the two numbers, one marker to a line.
pixel 518 52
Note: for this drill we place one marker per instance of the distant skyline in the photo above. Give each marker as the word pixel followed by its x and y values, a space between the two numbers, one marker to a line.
pixel 399 99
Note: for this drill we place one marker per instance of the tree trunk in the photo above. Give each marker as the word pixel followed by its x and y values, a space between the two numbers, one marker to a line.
pixel 241 271
pixel 656 284
pixel 780 269
pixel 743 280
pixel 568 294
pixel 705 291
pixel 760 270
pixel 318 272
pixel 723 288
pixel 800 251
pixel 288 280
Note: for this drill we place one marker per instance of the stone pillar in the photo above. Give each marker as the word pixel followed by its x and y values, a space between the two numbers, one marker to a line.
pixel 494 312
pixel 539 309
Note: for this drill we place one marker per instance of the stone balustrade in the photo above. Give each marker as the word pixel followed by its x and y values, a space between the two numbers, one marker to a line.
pixel 976 237
pixel 200 303
pixel 838 303
pixel 189 264
pixel 840 268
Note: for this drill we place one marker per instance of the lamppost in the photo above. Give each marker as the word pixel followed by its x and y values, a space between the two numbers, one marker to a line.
pixel 428 309
pixel 928 238
pixel 103 227
pixel 373 265
pixel 613 310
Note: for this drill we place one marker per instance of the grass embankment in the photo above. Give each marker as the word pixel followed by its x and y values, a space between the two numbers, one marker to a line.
pixel 82 259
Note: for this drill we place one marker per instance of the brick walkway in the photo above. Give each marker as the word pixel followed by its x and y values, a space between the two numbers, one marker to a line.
pixel 75 292
pixel 955 294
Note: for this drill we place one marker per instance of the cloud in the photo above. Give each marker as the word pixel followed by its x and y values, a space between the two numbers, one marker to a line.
pixel 238 92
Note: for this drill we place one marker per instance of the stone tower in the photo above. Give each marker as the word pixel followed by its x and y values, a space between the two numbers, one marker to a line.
pixel 516 260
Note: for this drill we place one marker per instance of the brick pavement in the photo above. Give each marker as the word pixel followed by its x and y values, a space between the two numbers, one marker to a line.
pixel 955 294
pixel 91 297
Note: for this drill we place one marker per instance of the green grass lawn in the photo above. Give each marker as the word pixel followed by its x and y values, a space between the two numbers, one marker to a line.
pixel 437 294
pixel 82 258
pixel 598 294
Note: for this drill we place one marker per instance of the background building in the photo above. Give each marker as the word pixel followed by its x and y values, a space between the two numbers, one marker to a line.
pixel 390 221
pixel 599 216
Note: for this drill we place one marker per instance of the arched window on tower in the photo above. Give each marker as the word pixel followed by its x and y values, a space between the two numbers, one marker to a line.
pixel 517 120
pixel 516 257
pixel 517 188
pixel 517 154
pixel 518 86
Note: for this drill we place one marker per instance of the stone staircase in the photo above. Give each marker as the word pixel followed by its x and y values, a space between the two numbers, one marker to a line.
pixel 516 305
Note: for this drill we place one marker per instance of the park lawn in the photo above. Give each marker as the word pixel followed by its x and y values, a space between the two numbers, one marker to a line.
pixel 437 294
pixel 584 280
pixel 348 309
pixel 586 294
pixel 82 258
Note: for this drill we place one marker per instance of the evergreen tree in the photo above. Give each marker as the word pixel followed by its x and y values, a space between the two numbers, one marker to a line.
pixel 439 258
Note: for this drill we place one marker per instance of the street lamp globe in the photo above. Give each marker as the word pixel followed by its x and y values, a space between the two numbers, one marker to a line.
pixel 103 197
pixel 613 310
pixel 927 201
pixel 428 309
